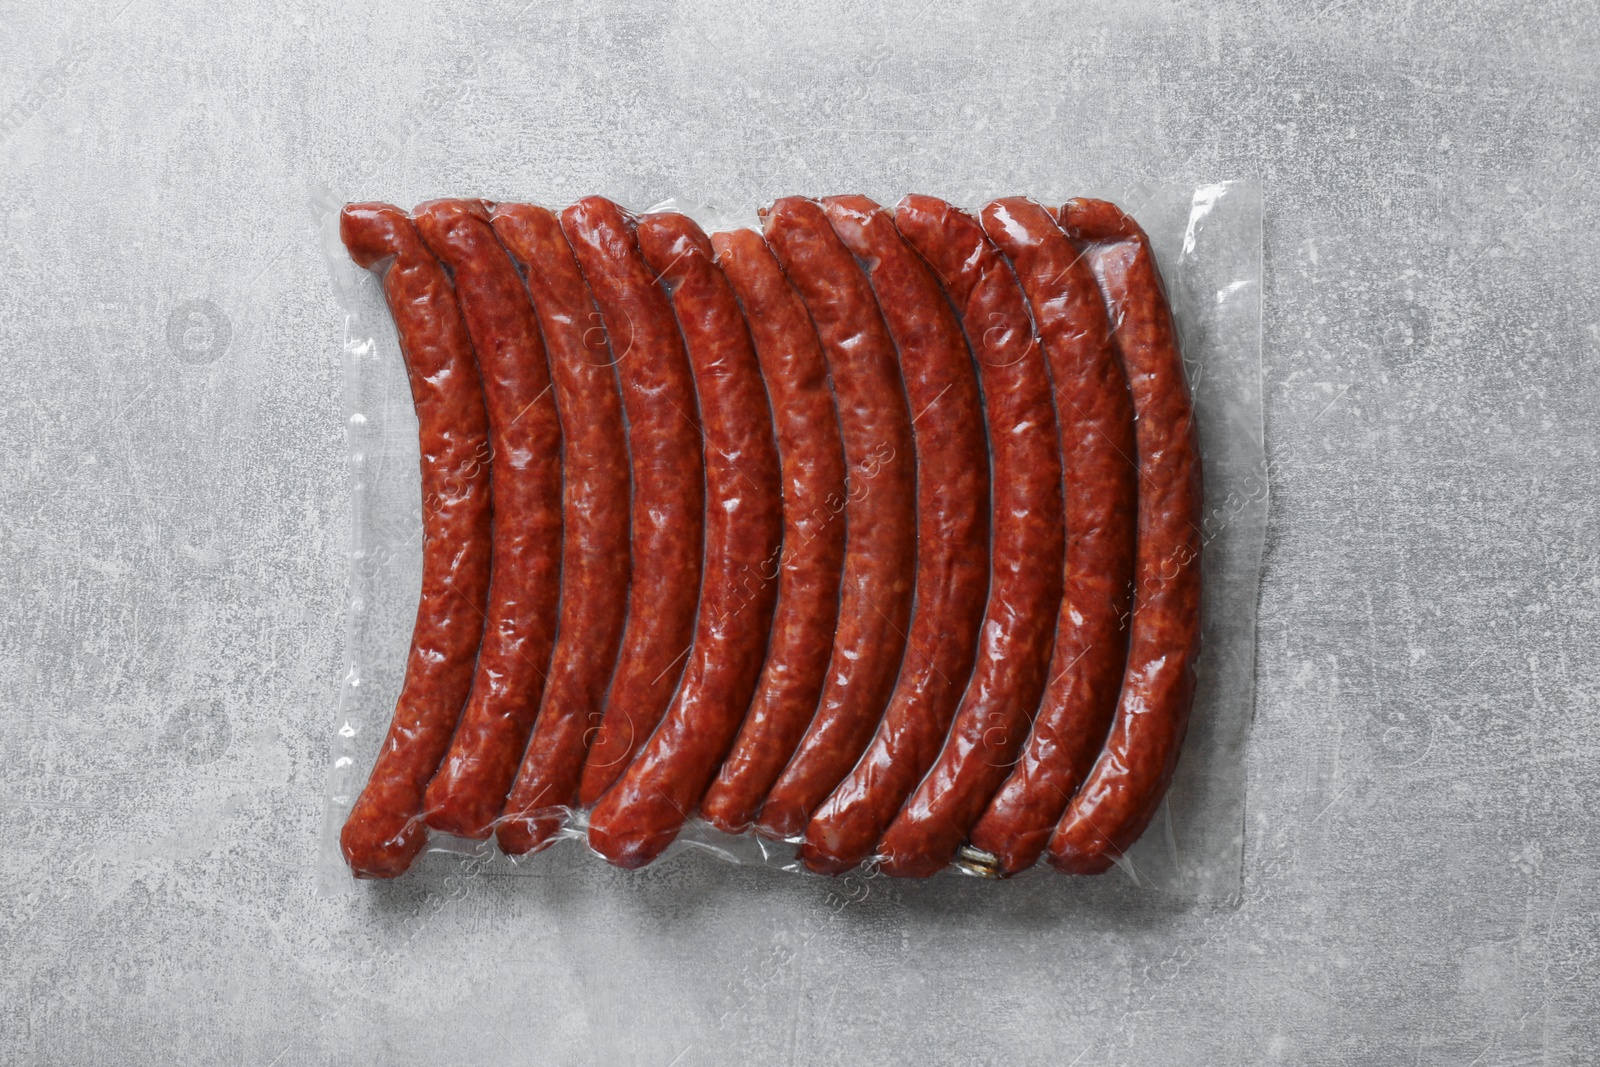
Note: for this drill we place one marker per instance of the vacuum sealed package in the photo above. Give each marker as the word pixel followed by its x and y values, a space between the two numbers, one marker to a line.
pixel 912 537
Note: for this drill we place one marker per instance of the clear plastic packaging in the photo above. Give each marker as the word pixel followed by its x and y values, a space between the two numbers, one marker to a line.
pixel 1207 240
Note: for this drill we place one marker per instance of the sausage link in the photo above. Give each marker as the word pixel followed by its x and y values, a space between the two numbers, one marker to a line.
pixel 807 572
pixel 594 553
pixel 384 832
pixel 668 509
pixel 880 511
pixel 1095 412
pixel 641 814
pixel 952 577
pixel 1029 541
pixel 1125 786
pixel 470 787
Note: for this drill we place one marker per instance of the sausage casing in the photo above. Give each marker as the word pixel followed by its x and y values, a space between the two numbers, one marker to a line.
pixel 1095 411
pixel 668 507
pixel 812 558
pixel 952 576
pixel 641 814
pixel 594 550
pixel 880 510
pixel 384 832
pixel 1127 782
pixel 470 787
pixel 1028 557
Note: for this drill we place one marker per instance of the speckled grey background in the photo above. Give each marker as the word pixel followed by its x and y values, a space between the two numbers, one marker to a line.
pixel 1420 870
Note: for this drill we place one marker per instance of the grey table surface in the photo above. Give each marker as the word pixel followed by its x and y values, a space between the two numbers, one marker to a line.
pixel 1420 874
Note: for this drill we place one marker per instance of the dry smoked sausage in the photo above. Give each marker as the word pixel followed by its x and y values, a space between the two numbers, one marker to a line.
pixel 594 553
pixel 1125 786
pixel 668 510
pixel 1095 411
pixel 880 511
pixel 1097 434
pixel 384 832
pixel 470 787
pixel 952 577
pixel 1028 556
pixel 808 569
pixel 640 815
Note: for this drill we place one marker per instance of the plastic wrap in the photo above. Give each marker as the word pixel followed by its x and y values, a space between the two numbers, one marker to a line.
pixel 1207 242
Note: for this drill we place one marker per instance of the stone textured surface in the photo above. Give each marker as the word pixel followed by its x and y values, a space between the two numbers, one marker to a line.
pixel 1420 872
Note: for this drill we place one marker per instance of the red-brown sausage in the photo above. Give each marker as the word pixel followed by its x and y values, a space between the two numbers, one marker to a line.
pixel 952 579
pixel 1096 413
pixel 641 814
pixel 808 569
pixel 1125 786
pixel 668 485
pixel 880 511
pixel 594 552
pixel 384 832
pixel 1029 542
pixel 470 787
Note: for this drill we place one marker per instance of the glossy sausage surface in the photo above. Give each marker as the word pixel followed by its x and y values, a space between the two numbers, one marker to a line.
pixel 1025 589
pixel 1096 412
pixel 668 507
pixel 1127 782
pixel 384 832
pixel 641 814
pixel 595 562
pixel 808 569
pixel 880 510
pixel 952 577
pixel 470 787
